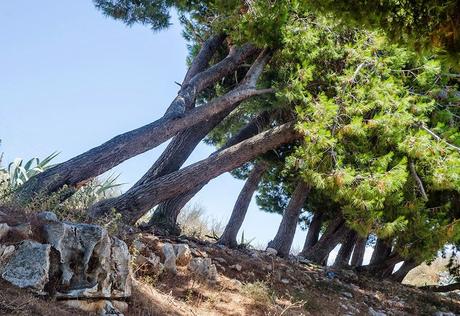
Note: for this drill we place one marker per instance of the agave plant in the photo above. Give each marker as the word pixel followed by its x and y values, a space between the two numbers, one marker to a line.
pixel 18 171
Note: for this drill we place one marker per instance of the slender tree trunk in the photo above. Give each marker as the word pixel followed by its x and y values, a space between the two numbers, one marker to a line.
pixel 343 257
pixel 122 147
pixel 406 267
pixel 164 218
pixel 313 231
pixel 132 205
pixel 240 209
pixel 381 251
pixel 286 231
pixel 334 234
pixel 358 252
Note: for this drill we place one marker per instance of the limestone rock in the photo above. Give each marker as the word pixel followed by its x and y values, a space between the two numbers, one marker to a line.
pixel 236 267
pixel 28 266
pixel 4 229
pixel 170 258
pixel 6 251
pixel 183 254
pixel 271 251
pixel 205 268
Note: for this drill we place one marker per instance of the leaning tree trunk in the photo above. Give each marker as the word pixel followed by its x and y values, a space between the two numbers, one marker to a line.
pixel 240 209
pixel 313 232
pixel 358 252
pixel 122 147
pixel 405 268
pixel 165 216
pixel 131 205
pixel 343 257
pixel 381 251
pixel 383 268
pixel 334 234
pixel 286 231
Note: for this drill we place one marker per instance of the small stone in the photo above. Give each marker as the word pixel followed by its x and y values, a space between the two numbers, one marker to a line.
pixel 347 294
pixel 6 251
pixel 285 281
pixel 439 313
pixel 170 258
pixel 373 312
pixel 204 268
pixel 236 267
pixel 271 251
pixel 28 266
pixel 4 229
pixel 183 254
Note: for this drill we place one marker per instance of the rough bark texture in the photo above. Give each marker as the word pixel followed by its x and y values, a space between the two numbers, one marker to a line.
pixel 165 216
pixel 405 268
pixel 173 184
pixel 240 209
pixel 383 268
pixel 343 257
pixel 381 251
pixel 286 231
pixel 333 235
pixel 358 252
pixel 122 147
pixel 313 232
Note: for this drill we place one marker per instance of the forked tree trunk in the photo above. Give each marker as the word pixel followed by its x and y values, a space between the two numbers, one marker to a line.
pixel 313 232
pixel 131 205
pixel 165 216
pixel 286 231
pixel 405 268
pixel 358 252
pixel 334 234
pixel 343 257
pixel 122 147
pixel 240 209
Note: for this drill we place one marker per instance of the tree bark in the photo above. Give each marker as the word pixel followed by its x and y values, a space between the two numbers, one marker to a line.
pixel 122 147
pixel 333 235
pixel 383 268
pixel 381 251
pixel 164 218
pixel 405 268
pixel 358 252
pixel 240 209
pixel 343 257
pixel 132 204
pixel 313 231
pixel 286 231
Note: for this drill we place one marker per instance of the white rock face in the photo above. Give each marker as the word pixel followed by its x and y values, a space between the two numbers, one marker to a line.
pixel 82 260
pixel 28 266
pixel 170 258
pixel 205 268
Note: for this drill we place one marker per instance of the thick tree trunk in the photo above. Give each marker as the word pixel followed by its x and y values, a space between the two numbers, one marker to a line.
pixel 165 216
pixel 313 232
pixel 240 209
pixel 381 251
pixel 131 205
pixel 358 252
pixel 122 147
pixel 286 231
pixel 383 268
pixel 333 235
pixel 405 268
pixel 343 257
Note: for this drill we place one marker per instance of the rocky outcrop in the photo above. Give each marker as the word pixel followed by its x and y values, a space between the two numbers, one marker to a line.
pixel 28 266
pixel 70 261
